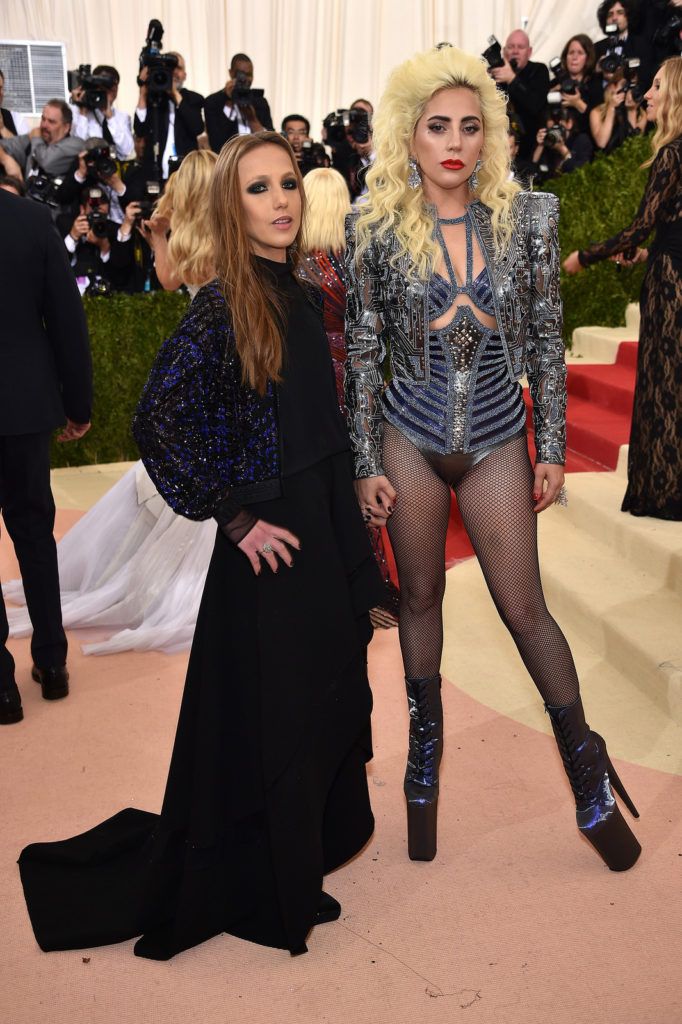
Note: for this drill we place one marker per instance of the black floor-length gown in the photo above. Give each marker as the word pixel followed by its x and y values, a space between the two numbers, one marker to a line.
pixel 655 453
pixel 267 787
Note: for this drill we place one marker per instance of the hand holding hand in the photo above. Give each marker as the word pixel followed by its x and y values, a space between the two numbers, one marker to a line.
pixel 265 541
pixel 376 498
pixel 549 479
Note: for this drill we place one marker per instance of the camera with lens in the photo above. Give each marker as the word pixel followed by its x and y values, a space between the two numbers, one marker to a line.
pixel 555 136
pixel 493 53
pixel 99 287
pixel 160 66
pixel 342 123
pixel 44 188
pixel 613 58
pixel 97 219
pixel 94 88
pixel 98 161
pixel 313 155
pixel 631 83
pixel 242 93
pixel 560 81
pixel 152 194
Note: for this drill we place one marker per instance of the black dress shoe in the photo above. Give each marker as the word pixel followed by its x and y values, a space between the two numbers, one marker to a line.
pixel 53 681
pixel 328 910
pixel 10 705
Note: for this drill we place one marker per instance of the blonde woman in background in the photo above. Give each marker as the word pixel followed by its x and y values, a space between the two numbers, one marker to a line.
pixel 130 567
pixel 323 246
pixel 456 271
pixel 618 117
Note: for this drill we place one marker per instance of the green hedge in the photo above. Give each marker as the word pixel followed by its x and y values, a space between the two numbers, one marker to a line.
pixel 596 202
pixel 125 333
pixel 126 330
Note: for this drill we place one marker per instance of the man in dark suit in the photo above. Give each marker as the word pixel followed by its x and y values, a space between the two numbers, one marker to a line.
pixel 179 121
pixel 236 109
pixel 526 84
pixel 45 378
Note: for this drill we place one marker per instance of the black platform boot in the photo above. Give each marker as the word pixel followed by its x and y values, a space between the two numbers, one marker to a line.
pixel 591 775
pixel 421 776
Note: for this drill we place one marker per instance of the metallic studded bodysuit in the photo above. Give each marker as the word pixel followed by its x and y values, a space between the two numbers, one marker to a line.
pixel 470 405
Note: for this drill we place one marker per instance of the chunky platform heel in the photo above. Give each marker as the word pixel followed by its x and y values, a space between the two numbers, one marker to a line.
pixel 591 775
pixel 421 775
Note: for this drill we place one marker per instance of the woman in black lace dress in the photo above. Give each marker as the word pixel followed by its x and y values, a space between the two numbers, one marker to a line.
pixel 655 456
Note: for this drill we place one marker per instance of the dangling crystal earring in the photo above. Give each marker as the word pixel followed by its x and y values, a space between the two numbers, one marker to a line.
pixel 473 180
pixel 414 178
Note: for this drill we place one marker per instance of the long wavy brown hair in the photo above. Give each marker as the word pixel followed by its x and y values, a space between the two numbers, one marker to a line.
pixel 257 312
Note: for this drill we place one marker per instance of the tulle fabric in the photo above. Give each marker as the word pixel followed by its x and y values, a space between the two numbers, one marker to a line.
pixel 131 565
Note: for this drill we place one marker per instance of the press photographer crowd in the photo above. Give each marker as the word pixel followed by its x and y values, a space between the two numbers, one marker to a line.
pixel 101 172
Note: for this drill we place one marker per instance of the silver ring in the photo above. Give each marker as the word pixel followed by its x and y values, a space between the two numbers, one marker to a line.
pixel 267 549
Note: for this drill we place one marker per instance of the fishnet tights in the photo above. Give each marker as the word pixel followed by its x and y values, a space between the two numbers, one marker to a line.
pixel 495 501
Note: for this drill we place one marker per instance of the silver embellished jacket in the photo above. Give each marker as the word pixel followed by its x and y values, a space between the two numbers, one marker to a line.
pixel 386 313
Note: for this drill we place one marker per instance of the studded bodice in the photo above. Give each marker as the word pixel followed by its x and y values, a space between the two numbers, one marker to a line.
pixel 469 401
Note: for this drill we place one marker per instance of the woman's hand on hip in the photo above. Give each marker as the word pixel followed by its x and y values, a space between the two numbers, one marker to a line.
pixel 376 498
pixel 267 542
pixel 549 479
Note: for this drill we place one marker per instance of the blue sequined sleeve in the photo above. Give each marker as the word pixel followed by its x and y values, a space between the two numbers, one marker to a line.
pixel 185 421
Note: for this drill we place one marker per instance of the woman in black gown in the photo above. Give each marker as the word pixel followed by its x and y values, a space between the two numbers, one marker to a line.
pixel 267 788
pixel 655 453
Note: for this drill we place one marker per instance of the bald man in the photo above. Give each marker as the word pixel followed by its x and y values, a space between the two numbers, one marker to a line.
pixel 526 84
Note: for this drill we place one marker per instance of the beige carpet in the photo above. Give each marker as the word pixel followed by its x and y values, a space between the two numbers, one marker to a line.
pixel 515 922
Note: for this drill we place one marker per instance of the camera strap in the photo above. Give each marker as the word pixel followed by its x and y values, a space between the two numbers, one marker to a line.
pixel 104 125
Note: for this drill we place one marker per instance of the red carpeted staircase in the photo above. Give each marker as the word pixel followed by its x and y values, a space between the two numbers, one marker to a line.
pixel 597 424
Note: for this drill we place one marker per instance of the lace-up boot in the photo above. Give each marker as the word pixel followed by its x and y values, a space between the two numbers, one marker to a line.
pixel 591 775
pixel 421 775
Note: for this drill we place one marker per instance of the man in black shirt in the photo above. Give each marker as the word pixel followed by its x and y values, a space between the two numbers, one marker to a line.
pixel 526 84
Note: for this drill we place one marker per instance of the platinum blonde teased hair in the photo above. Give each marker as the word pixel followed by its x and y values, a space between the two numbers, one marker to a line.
pixel 392 205
pixel 327 204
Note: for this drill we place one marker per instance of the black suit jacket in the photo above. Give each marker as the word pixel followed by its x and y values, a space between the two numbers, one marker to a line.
pixel 528 96
pixel 188 125
pixel 220 128
pixel 45 365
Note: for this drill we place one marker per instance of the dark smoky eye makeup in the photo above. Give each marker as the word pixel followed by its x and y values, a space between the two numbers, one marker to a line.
pixel 290 183
pixel 255 187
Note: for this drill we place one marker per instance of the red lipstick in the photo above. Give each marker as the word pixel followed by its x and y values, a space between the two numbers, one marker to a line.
pixel 452 165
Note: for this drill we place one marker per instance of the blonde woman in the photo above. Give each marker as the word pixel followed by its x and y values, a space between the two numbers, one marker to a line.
pixel 130 567
pixel 323 245
pixel 655 453
pixel 617 118
pixel 456 271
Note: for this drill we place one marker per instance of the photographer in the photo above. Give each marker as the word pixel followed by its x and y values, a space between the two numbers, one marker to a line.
pixel 94 114
pixel 89 238
pixel 236 109
pixel 619 116
pixel 616 20
pixel 661 34
pixel 296 129
pixel 45 156
pixel 525 84
pixel 348 133
pixel 167 115
pixel 96 167
pixel 561 146
pixel 581 89
pixel 11 123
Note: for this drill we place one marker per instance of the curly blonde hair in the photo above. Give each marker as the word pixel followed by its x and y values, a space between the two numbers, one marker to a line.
pixel 669 119
pixel 328 203
pixel 392 206
pixel 185 203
